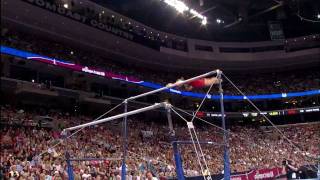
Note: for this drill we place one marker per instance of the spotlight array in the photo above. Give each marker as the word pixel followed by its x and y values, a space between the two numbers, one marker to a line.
pixel 178 5
pixel 181 7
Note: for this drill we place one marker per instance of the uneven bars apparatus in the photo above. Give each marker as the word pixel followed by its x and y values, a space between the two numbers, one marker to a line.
pixel 125 114
pixel 125 131
pixel 155 106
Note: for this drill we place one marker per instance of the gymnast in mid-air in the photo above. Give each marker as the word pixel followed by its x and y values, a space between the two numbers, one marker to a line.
pixel 197 84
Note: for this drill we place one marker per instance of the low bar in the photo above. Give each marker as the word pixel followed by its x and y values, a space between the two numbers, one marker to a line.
pixel 155 106
pixel 173 85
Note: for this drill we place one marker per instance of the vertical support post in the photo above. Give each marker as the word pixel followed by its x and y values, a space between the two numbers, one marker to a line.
pixel 318 172
pixel 170 121
pixel 125 142
pixel 226 157
pixel 69 169
pixel 177 157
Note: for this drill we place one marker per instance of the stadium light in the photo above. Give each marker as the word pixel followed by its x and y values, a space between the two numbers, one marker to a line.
pixel 178 5
pixel 219 21
pixel 181 7
pixel 65 5
pixel 318 16
pixel 204 21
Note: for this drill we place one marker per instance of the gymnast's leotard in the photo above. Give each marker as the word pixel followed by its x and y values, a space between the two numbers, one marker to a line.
pixel 199 83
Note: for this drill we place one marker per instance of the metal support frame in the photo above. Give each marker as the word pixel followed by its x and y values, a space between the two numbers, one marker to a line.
pixel 177 157
pixel 157 105
pixel 178 161
pixel 69 167
pixel 318 172
pixel 169 117
pixel 125 141
pixel 125 129
pixel 226 164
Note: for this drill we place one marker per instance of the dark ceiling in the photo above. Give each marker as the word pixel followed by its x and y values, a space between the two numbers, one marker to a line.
pixel 254 16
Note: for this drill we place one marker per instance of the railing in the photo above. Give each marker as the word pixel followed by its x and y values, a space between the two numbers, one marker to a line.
pixel 106 74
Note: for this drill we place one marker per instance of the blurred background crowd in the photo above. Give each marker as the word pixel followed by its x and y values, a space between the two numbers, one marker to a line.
pixel 28 150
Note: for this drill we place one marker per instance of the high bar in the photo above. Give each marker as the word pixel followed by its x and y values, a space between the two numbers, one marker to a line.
pixel 173 85
pixel 155 106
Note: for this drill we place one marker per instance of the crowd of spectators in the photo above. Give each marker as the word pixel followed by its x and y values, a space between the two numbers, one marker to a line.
pixel 252 84
pixel 27 148
pixel 34 43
